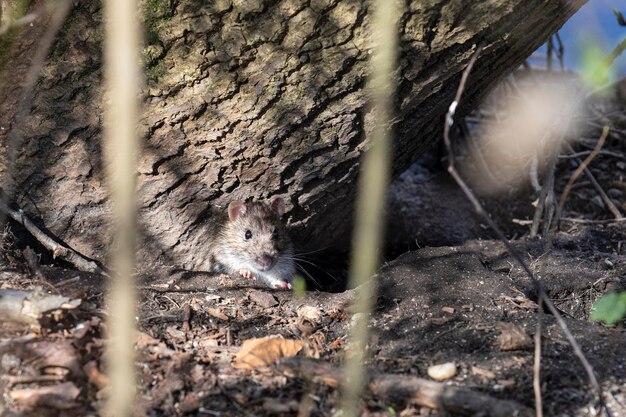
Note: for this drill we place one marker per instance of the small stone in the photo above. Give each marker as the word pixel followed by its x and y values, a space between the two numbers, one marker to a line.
pixel 442 371
pixel 263 298
pixel 614 193
pixel 607 264
pixel 10 362
pixel 448 310
pixel 597 200
pixel 175 334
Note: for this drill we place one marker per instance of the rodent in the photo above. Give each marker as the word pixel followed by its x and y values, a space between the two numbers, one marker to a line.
pixel 252 242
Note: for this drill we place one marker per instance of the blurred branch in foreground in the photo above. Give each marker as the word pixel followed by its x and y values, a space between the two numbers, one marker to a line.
pixel 123 82
pixel 370 203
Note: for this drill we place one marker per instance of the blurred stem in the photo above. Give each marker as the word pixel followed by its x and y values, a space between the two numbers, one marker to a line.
pixel 370 204
pixel 123 81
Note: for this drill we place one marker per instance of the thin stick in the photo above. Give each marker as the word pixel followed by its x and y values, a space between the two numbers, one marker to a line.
pixel 585 221
pixel 58 250
pixel 549 54
pixel 372 188
pixel 537 364
pixel 608 61
pixel 123 85
pixel 186 318
pixel 582 166
pixel 560 51
pixel 449 121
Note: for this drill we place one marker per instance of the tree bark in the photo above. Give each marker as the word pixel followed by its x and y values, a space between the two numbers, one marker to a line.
pixel 247 99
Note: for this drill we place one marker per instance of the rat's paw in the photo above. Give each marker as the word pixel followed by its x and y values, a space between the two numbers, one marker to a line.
pixel 282 285
pixel 247 274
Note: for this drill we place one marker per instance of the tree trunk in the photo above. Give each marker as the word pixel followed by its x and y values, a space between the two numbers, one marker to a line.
pixel 247 99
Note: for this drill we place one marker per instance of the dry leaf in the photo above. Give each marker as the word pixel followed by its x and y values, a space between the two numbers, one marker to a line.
pixel 216 313
pixel 94 375
pixel 314 344
pixel 335 344
pixel 513 338
pixel 255 353
pixel 311 313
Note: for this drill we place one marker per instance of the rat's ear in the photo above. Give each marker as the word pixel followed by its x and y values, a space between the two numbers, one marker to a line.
pixel 278 206
pixel 236 209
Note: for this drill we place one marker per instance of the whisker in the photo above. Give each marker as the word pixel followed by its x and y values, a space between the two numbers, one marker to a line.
pixel 308 275
pixel 313 251
pixel 316 266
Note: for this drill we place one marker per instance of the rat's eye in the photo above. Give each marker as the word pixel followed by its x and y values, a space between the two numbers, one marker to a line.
pixel 248 234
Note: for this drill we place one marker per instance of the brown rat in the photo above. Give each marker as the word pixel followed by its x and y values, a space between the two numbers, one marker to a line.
pixel 252 242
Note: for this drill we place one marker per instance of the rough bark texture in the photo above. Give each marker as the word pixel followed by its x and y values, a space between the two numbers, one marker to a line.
pixel 248 99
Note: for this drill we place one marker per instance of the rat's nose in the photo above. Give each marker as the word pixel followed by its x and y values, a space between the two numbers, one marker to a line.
pixel 265 261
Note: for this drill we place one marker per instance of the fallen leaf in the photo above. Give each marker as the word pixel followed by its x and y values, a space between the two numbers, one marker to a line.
pixel 60 396
pixel 314 344
pixel 191 402
pixel 513 337
pixel 175 334
pixel 217 314
pixel 144 340
pixel 94 375
pixel 255 353
pixel 56 354
pixel 309 312
pixel 275 406
pixel 335 344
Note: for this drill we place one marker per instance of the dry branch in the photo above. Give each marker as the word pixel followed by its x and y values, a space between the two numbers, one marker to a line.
pixel 29 306
pixel 543 296
pixel 403 389
pixel 58 250
pixel 582 166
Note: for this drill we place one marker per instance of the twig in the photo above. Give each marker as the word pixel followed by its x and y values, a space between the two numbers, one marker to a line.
pixel 582 166
pixel 608 61
pixel 403 389
pixel 601 152
pixel 549 54
pixel 586 221
pixel 186 317
pixel 537 364
pixel 17 340
pixel 449 121
pixel 549 207
pixel 28 379
pixel 57 249
pixel 560 50
pixel 605 198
